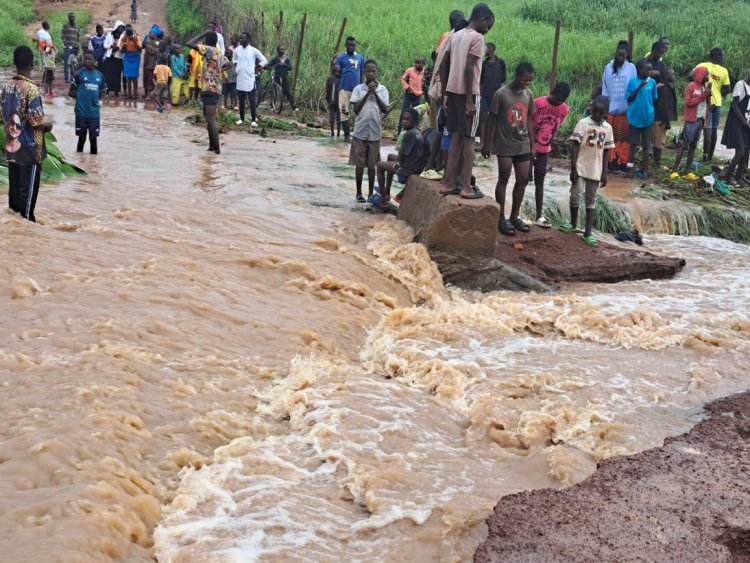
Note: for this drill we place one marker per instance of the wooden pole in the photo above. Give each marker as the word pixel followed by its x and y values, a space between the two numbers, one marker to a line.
pixel 299 50
pixel 630 43
pixel 553 72
pixel 341 35
pixel 281 18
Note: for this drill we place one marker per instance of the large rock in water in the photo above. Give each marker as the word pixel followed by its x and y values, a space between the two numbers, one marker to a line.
pixel 461 236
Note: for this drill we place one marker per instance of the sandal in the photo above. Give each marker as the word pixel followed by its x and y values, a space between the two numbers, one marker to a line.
pixel 567 228
pixel 542 222
pixel 454 191
pixel 506 228
pixel 476 195
pixel 361 198
pixel 520 225
pixel 590 240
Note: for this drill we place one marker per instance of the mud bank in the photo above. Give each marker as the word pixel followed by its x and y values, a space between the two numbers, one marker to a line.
pixel 553 256
pixel 686 501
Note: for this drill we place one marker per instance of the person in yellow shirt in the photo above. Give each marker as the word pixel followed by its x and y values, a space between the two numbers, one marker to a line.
pixel 162 75
pixel 720 87
pixel 194 82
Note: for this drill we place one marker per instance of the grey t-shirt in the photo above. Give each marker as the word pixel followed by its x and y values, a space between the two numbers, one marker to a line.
pixel 369 123
pixel 511 113
pixel 412 146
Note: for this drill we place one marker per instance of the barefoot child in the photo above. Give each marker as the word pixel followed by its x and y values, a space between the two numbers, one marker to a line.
pixel 332 98
pixel 162 75
pixel 697 100
pixel 409 160
pixel 592 140
pixel 48 64
pixel 89 88
pixel 370 105
pixel 550 113
pixel 640 93
pixel 737 130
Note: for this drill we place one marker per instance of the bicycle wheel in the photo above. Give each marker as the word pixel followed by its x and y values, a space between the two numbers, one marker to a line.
pixel 277 97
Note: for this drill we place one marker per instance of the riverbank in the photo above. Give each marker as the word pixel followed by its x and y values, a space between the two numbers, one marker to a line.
pixel 685 501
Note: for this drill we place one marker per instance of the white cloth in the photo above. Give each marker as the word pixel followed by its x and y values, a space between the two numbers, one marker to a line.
pixel 110 42
pixel 44 36
pixel 245 60
pixel 220 42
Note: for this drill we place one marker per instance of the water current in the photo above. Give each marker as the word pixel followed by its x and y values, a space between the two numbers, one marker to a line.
pixel 222 358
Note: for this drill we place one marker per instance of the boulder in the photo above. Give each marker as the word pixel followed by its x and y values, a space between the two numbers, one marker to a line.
pixel 461 236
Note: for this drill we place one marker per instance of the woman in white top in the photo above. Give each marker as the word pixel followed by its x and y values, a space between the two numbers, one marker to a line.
pixel 113 59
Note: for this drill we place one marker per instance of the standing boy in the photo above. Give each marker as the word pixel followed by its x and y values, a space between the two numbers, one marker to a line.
pixel 592 139
pixel 665 113
pixel 411 82
pixel 246 58
pixel 23 116
pixel 48 69
pixel 179 75
pixel 492 79
pixel 370 104
pixel 640 92
pixel 720 87
pixel 89 88
pixel 150 54
pixel 332 99
pixel 282 66
pixel 509 135
pixel 71 40
pixel 96 44
pixel 351 64
pixel 697 99
pixel 460 72
pixel 162 74
pixel 550 112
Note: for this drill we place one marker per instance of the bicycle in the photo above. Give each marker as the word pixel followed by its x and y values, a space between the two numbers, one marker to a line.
pixel 272 88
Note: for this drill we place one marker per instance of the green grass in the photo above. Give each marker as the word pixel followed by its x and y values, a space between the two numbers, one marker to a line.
pixel 393 33
pixel 57 18
pixel 14 14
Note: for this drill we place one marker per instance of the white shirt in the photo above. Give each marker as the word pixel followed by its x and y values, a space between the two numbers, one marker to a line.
pixel 245 60
pixel 220 42
pixel 44 36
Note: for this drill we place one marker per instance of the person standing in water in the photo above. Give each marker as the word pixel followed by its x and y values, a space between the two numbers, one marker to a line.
pixel 214 63
pixel 22 113
pixel 88 88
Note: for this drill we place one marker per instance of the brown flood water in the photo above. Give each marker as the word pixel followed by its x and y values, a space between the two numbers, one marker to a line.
pixel 224 348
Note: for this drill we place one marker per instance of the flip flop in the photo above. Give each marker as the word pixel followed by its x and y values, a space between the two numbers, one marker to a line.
pixel 506 228
pixel 454 191
pixel 361 198
pixel 520 225
pixel 590 240
pixel 567 228
pixel 476 195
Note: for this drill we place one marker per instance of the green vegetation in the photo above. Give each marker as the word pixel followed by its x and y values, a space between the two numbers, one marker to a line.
pixel 54 166
pixel 393 33
pixel 57 18
pixel 14 14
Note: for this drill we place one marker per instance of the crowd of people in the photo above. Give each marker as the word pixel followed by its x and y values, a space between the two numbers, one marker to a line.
pixel 446 106
pixel 461 97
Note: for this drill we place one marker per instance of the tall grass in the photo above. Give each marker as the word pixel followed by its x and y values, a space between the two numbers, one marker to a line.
pixel 14 14
pixel 57 18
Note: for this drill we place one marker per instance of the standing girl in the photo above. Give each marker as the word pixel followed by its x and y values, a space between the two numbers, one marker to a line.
pixel 737 130
pixel 131 46
pixel 113 59
pixel 616 76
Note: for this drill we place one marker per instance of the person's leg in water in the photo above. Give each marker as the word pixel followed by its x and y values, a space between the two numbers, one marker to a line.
pixel 210 111
pixel 81 140
pixel 504 167
pixel 521 170
pixel 540 173
pixel 93 143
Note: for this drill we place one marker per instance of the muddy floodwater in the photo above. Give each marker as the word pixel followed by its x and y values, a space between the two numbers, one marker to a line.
pixel 223 358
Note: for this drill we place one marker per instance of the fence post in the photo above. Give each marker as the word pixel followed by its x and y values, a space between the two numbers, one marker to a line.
pixel 553 72
pixel 338 41
pixel 299 50
pixel 630 44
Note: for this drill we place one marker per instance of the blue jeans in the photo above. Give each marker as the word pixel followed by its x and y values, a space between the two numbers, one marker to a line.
pixel 714 117
pixel 66 57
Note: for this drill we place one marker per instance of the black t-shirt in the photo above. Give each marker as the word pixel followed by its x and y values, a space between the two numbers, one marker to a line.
pixel 493 77
pixel 412 146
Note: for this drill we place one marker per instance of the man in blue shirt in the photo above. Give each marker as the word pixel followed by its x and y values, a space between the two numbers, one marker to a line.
pixel 351 64
pixel 88 88
pixel 640 93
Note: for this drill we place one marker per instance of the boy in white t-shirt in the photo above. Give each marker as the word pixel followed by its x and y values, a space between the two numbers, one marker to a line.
pixel 592 140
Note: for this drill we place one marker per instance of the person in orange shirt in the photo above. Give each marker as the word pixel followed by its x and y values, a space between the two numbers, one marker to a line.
pixel 411 82
pixel 162 75
pixel 131 46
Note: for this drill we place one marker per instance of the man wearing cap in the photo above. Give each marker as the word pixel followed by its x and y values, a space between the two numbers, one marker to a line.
pixel 71 39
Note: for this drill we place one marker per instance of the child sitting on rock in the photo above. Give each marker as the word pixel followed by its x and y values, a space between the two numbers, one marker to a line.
pixel 592 140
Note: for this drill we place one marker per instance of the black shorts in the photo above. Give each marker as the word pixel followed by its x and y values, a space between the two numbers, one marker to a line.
pixel 87 124
pixel 229 88
pixel 210 98
pixel 458 122
pixel 518 158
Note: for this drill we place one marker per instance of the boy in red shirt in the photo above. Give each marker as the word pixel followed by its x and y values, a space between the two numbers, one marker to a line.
pixel 697 101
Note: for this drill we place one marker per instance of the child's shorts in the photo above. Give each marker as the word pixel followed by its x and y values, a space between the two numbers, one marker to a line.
pixel 660 134
pixel 334 114
pixel 458 122
pixel 161 90
pixel 590 187
pixel 640 137
pixel 228 88
pixel 692 130
pixel 364 154
pixel 87 124
pixel 49 75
